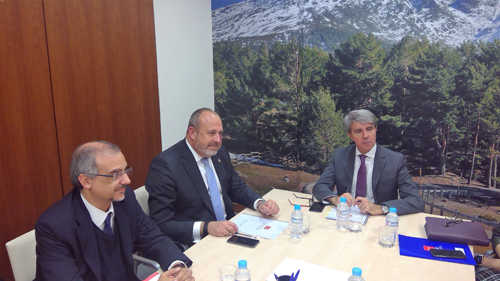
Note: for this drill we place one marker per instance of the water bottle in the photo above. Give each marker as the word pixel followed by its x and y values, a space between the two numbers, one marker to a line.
pixel 297 217
pixel 392 223
pixel 356 275
pixel 342 214
pixel 242 273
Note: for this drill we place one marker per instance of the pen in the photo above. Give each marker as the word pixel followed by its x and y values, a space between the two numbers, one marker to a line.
pixel 246 235
pixel 276 276
pixel 297 275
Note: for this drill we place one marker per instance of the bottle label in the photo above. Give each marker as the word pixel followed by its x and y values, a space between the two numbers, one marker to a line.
pixel 391 223
pixel 296 220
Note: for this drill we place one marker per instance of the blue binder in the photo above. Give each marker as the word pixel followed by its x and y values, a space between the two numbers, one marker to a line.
pixel 418 247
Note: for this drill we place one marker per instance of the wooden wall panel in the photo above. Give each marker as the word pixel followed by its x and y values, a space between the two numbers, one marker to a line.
pixel 104 78
pixel 30 175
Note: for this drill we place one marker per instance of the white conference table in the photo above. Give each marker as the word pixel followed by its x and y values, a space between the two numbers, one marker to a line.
pixel 328 247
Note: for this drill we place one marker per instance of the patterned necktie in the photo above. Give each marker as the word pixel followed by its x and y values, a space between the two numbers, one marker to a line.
pixel 361 181
pixel 107 225
pixel 214 190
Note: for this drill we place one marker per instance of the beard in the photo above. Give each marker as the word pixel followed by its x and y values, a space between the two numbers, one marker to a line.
pixel 121 198
pixel 206 150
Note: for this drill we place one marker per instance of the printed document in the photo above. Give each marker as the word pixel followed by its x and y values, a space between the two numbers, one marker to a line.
pixel 259 226
pixel 354 214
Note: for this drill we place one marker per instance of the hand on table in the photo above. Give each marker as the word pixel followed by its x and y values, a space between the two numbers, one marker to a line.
pixel 348 199
pixel 269 208
pixel 222 228
pixel 177 274
pixel 366 206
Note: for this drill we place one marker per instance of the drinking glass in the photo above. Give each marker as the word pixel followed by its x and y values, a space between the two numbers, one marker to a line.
pixel 386 237
pixel 227 272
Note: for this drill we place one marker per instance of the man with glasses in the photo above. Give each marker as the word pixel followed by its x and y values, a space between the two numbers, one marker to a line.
pixel 368 175
pixel 92 232
pixel 192 185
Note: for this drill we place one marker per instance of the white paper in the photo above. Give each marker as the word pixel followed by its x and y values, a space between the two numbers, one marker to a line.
pixel 354 214
pixel 259 226
pixel 308 271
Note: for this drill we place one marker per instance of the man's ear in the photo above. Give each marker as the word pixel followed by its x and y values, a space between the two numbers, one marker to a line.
pixel 350 136
pixel 191 132
pixel 84 181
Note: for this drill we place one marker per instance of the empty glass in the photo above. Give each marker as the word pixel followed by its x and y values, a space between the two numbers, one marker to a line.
pixel 227 272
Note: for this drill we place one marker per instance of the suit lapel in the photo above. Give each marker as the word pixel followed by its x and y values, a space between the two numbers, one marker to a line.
pixel 189 163
pixel 86 235
pixel 378 167
pixel 351 154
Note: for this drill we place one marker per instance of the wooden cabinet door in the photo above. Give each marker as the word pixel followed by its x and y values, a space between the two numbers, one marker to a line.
pixel 104 78
pixel 30 175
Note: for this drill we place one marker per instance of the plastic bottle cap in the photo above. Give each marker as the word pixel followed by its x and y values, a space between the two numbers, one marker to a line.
pixel 356 271
pixel 392 210
pixel 342 199
pixel 242 264
pixel 296 207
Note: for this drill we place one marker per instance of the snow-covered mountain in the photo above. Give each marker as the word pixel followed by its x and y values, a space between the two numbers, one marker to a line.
pixel 325 23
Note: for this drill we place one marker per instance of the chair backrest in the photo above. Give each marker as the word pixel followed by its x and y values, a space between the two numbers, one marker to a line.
pixel 22 255
pixel 142 196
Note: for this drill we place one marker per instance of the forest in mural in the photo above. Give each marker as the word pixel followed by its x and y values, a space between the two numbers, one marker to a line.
pixel 438 104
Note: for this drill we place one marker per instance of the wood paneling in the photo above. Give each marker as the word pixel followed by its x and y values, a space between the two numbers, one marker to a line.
pixel 104 78
pixel 30 175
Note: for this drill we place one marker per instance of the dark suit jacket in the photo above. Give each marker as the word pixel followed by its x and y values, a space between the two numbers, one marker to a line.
pixel 390 176
pixel 67 245
pixel 178 195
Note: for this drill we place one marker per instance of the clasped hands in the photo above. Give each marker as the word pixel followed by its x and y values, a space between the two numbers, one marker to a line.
pixel 180 273
pixel 364 205
pixel 227 228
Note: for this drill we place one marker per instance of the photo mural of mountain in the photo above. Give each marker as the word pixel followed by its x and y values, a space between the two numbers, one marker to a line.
pixel 286 72
pixel 326 23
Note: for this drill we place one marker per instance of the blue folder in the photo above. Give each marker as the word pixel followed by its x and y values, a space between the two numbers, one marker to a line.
pixel 416 247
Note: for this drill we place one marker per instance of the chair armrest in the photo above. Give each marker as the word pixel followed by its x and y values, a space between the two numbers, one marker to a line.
pixel 146 261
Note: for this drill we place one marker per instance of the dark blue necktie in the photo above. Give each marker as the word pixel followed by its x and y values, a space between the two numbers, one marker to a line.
pixel 107 225
pixel 214 190
pixel 361 180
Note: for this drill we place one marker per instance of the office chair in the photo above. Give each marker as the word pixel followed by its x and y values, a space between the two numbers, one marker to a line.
pixel 22 256
pixel 142 196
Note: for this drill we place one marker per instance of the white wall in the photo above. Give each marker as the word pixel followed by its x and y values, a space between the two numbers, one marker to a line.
pixel 185 63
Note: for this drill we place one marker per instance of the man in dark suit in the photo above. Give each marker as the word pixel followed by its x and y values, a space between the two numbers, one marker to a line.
pixel 192 185
pixel 366 174
pixel 91 233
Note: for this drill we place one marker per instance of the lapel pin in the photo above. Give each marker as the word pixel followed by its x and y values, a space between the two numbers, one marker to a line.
pixel 218 159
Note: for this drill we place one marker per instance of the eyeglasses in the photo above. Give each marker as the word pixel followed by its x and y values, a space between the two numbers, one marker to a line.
pixel 310 201
pixel 452 221
pixel 118 175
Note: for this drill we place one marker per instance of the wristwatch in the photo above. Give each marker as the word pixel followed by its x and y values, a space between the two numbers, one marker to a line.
pixel 385 209
pixel 478 259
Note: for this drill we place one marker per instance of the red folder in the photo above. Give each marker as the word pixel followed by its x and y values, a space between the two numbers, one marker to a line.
pixel 471 233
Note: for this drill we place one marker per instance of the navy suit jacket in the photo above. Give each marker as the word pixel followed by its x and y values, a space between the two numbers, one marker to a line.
pixel 178 196
pixel 390 176
pixel 67 245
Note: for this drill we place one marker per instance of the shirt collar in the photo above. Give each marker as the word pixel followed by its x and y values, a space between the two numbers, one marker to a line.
pixel 370 153
pixel 197 157
pixel 97 215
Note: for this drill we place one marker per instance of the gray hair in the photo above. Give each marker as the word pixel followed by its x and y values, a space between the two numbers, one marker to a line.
pixel 194 120
pixel 364 116
pixel 83 159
